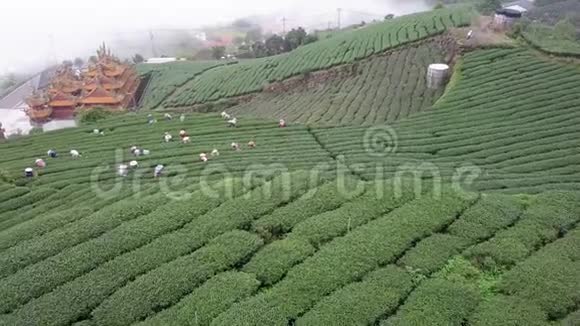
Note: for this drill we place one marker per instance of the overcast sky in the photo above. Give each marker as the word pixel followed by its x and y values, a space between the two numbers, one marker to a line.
pixel 32 30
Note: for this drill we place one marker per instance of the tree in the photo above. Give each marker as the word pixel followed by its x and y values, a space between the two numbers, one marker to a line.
pixel 310 38
pixel 78 62
pixel 93 59
pixel 565 30
pixel 389 17
pixel 254 35
pixel 489 6
pixel 259 49
pixel 439 5
pixel 137 58
pixel 203 54
pixel 275 44
pixel 295 38
pixel 218 52
pixel 67 63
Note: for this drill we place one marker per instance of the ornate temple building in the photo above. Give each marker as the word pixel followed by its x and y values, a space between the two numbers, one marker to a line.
pixel 105 82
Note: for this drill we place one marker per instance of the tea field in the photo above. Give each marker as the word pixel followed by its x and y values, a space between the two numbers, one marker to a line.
pixel 377 90
pixel 381 203
pixel 252 76
pixel 165 79
pixel 512 117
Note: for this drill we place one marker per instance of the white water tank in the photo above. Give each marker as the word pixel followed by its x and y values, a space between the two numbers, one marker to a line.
pixel 437 75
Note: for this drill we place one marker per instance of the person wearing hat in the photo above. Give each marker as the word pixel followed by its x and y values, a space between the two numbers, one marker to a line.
pixel 40 163
pixel 29 172
pixel 158 170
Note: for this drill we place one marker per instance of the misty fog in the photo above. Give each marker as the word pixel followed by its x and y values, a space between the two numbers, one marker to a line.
pixel 37 33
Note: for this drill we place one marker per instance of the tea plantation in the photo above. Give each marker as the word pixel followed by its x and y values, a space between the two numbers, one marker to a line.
pixel 463 210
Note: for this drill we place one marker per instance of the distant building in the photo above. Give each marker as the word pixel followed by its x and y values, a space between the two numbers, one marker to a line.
pixel 521 6
pixel 107 83
pixel 505 18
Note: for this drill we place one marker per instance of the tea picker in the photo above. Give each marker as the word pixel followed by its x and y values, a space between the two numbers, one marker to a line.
pixel 29 172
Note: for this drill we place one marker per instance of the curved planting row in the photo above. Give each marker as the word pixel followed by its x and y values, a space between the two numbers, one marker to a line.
pixel 377 90
pixel 252 75
pixel 164 79
pixel 512 117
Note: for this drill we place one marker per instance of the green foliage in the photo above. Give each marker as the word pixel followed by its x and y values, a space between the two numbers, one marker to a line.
pixel 543 221
pixel 373 91
pixel 36 131
pixel 560 40
pixel 503 311
pixel 362 303
pixel 437 302
pixel 166 78
pixel 218 52
pixel 510 131
pixel 250 76
pixel 6 177
pixel 549 278
pixel 94 114
pixel 206 302
pixel 565 30
pixel 167 284
pixel 364 249
pixel 137 58
pixel 488 6
pixel 432 253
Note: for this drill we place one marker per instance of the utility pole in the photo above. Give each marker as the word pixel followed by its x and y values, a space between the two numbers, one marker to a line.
pixel 339 11
pixel 283 25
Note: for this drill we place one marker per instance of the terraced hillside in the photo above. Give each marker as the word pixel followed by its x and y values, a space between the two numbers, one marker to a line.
pixel 253 75
pixel 512 115
pixel 165 79
pixel 380 89
pixel 463 213
pixel 264 255
pixel 101 154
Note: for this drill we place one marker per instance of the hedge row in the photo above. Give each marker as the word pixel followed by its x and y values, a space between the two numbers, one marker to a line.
pixel 437 302
pixel 345 260
pixel 501 310
pixel 13 192
pixel 324 198
pixel 482 220
pixel 362 303
pixel 432 253
pixel 490 214
pixel 41 225
pixel 46 275
pixel 234 214
pixel 59 199
pixel 22 201
pixel 549 278
pixel 545 219
pixel 78 297
pixel 206 302
pixel 165 286
pixel 36 249
pixel 272 262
